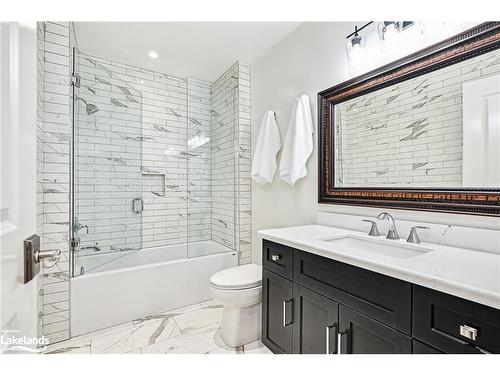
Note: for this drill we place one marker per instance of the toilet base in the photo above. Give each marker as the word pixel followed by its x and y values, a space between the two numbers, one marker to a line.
pixel 241 325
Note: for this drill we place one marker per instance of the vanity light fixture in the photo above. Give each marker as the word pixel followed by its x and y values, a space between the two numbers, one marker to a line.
pixel 152 54
pixel 355 45
pixel 389 30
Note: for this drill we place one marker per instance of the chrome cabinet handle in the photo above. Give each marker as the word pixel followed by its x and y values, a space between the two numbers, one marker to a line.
pixel 275 257
pixel 468 332
pixel 47 258
pixel 284 313
pixel 137 205
pixel 339 340
pixel 328 329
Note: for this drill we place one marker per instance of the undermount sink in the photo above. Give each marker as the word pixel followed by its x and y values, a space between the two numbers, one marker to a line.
pixel 393 248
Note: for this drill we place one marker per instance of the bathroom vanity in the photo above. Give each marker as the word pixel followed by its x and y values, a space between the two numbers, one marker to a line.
pixel 398 137
pixel 328 295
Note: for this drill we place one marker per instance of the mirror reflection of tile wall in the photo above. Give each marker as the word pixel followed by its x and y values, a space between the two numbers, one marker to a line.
pixel 408 134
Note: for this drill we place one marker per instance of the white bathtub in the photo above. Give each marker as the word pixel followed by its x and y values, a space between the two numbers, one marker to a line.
pixel 144 282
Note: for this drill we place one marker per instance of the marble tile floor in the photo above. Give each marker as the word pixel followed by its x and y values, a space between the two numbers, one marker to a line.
pixel 193 329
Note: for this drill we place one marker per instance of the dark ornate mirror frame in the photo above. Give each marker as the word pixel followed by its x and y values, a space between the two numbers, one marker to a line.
pixel 473 42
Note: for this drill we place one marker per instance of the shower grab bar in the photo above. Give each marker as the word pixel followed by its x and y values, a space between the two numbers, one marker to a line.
pixel 137 205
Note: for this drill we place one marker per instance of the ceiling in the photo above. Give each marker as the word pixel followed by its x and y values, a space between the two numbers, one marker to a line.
pixel 201 50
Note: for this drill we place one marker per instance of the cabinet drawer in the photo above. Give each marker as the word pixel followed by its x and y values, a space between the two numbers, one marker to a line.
pixel 383 298
pixel 454 325
pixel 277 258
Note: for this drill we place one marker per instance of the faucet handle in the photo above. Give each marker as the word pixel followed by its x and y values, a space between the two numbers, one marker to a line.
pixel 373 230
pixel 413 236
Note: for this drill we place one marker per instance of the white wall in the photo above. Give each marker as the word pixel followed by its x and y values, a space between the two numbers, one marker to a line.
pixel 310 59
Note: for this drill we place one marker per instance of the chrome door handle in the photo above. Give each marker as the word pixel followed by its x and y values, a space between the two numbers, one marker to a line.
pixel 284 313
pixel 47 258
pixel 327 329
pixel 339 340
pixel 137 205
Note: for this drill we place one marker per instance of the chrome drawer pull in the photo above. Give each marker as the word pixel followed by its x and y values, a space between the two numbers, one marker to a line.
pixel 339 340
pixel 468 332
pixel 275 257
pixel 284 313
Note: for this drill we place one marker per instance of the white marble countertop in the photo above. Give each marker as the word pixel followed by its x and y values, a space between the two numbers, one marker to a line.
pixel 466 273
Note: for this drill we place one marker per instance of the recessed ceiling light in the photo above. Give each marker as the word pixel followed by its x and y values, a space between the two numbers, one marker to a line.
pixel 153 54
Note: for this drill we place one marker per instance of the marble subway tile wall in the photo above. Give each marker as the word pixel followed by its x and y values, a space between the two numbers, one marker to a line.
pixel 231 184
pixel 244 157
pixel 54 134
pixel 224 118
pixel 164 155
pixel 409 133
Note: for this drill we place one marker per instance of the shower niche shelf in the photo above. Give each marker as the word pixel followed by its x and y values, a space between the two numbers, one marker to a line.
pixel 154 183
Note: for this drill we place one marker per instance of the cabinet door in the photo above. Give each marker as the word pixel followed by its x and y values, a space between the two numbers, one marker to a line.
pixel 362 335
pixel 316 322
pixel 277 312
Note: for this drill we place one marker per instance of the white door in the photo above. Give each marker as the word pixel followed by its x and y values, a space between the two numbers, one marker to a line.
pixel 17 181
pixel 481 137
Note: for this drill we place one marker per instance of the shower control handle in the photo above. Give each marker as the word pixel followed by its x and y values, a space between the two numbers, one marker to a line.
pixel 137 205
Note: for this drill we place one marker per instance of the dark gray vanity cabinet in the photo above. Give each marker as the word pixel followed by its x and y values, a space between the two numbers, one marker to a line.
pixel 316 305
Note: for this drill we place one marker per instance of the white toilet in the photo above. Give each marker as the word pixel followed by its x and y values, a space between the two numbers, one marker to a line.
pixel 239 289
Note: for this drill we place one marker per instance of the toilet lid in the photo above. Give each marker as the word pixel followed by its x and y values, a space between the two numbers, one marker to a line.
pixel 241 277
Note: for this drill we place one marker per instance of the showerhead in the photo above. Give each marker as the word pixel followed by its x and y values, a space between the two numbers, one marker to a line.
pixel 89 107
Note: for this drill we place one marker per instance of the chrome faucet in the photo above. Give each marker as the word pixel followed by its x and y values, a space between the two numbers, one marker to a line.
pixel 77 226
pixel 393 233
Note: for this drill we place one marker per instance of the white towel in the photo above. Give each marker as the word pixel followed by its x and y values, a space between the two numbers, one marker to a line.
pixel 298 142
pixel 268 145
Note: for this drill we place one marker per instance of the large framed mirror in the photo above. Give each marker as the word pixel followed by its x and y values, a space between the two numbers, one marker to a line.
pixel 421 133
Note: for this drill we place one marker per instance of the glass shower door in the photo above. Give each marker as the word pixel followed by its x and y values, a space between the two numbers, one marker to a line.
pixel 107 149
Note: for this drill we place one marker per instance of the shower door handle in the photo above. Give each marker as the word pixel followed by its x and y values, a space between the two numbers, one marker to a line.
pixel 137 205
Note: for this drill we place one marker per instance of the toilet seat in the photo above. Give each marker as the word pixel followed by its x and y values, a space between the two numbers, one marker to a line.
pixel 238 278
